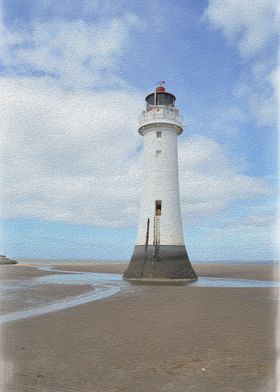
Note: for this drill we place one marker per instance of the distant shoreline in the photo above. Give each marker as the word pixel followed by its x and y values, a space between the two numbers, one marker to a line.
pixel 26 260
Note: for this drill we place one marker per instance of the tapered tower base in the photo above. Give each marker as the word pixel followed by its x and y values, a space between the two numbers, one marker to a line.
pixel 165 263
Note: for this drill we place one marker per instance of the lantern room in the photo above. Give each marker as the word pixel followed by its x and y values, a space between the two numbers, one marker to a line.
pixel 160 97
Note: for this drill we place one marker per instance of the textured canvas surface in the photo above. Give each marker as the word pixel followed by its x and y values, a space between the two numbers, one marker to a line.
pixel 74 75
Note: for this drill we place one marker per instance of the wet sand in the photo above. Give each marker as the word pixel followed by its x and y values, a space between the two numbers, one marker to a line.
pixel 243 271
pixel 144 338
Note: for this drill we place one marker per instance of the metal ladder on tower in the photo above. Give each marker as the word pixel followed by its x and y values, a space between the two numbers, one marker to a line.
pixel 156 237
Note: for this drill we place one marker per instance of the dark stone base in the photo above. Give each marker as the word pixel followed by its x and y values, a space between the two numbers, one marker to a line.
pixel 170 262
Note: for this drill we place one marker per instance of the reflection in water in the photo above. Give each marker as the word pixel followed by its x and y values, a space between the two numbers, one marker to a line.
pixel 59 305
pixel 101 286
pixel 92 277
pixel 234 282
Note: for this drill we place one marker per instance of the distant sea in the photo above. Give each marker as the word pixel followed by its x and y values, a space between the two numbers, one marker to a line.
pixel 25 260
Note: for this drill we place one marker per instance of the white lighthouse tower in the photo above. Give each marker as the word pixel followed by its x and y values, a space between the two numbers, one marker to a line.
pixel 160 252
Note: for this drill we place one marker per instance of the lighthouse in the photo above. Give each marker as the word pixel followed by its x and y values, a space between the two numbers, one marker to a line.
pixel 160 253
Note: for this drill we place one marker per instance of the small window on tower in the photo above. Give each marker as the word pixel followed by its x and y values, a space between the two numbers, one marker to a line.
pixel 158 134
pixel 158 207
pixel 158 152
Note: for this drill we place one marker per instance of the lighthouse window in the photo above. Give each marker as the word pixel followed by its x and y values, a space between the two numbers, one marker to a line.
pixel 158 207
pixel 165 99
pixel 158 134
pixel 150 99
pixel 158 152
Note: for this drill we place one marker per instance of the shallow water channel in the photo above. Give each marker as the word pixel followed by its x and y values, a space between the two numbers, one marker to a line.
pixel 101 285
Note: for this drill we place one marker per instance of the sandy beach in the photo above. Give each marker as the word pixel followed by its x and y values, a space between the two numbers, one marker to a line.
pixel 142 338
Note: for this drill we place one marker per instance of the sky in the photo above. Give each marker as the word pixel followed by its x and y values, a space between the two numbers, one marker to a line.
pixel 73 78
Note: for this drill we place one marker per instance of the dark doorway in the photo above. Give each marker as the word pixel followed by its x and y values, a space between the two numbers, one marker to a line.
pixel 158 207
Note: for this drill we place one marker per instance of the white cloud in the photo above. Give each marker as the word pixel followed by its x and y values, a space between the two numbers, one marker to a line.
pixel 261 219
pixel 75 53
pixel 249 24
pixel 69 156
pixel 72 156
pixel 258 91
pixel 70 150
pixel 210 181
